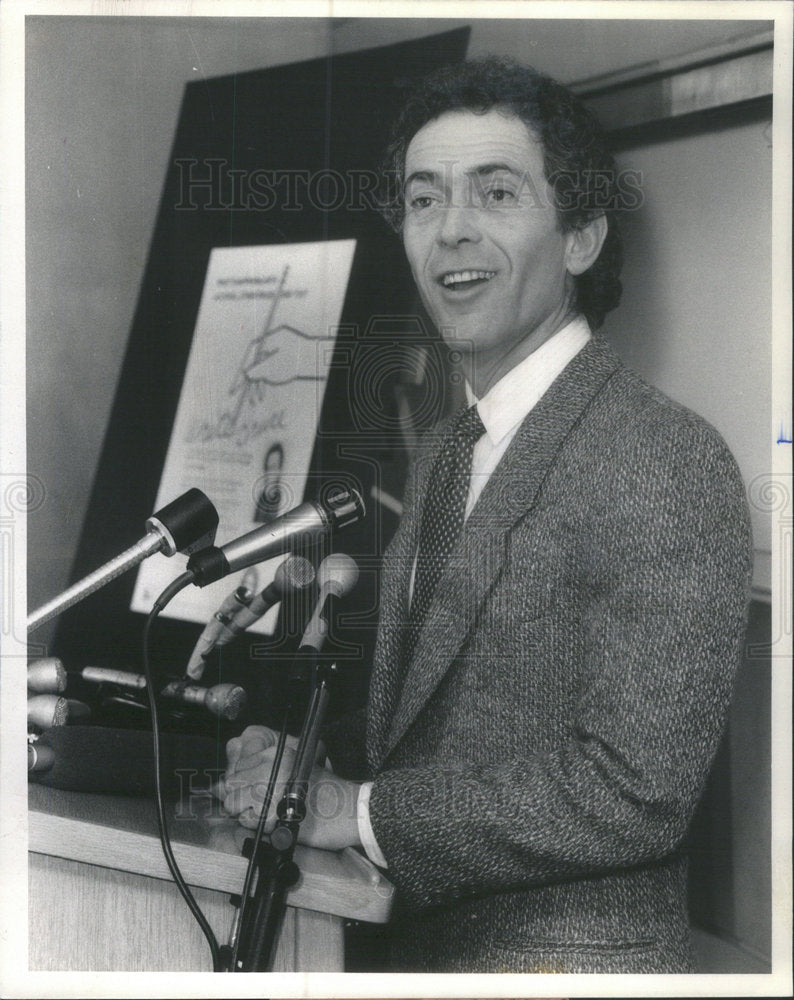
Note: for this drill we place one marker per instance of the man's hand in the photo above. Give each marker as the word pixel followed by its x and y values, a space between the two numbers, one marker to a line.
pixel 330 821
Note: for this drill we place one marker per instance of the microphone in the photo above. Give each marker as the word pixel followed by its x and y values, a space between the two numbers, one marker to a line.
pixel 303 525
pixel 106 675
pixel 78 711
pixel 40 758
pixel 293 575
pixel 209 638
pixel 47 710
pixel 46 676
pixel 121 761
pixel 336 576
pixel 184 525
pixel 224 700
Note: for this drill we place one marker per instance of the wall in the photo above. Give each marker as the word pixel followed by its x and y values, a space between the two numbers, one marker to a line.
pixel 696 315
pixel 571 51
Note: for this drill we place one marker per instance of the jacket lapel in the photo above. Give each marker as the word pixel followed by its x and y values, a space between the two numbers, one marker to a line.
pixel 388 666
pixel 478 559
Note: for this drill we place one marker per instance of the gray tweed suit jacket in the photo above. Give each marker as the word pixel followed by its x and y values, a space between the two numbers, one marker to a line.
pixel 537 763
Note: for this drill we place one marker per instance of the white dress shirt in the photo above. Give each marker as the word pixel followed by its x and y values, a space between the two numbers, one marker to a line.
pixel 502 410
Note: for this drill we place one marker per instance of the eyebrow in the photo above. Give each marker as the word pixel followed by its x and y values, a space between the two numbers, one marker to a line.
pixel 421 175
pixel 432 177
pixel 493 168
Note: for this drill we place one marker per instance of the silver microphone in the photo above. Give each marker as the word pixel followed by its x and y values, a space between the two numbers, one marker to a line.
pixel 209 637
pixel 336 576
pixel 224 700
pixel 303 525
pixel 292 576
pixel 236 614
pixel 46 676
pixel 107 675
pixel 185 524
pixel 47 710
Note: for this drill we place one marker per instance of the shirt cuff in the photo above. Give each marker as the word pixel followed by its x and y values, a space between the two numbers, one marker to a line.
pixel 365 831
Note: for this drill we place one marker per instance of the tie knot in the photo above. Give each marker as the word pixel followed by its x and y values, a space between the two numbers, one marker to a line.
pixel 469 427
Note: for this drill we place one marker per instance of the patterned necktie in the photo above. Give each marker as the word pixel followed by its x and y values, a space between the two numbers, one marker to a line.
pixel 442 517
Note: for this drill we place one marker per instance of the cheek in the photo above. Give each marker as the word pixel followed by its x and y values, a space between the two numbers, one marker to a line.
pixel 541 263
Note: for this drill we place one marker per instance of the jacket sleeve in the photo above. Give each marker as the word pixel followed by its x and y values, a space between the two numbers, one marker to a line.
pixel 662 634
pixel 345 743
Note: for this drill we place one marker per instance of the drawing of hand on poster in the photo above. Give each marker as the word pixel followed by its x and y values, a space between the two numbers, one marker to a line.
pixel 250 402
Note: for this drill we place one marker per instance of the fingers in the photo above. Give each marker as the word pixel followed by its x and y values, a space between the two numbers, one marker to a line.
pixel 240 749
pixel 243 798
pixel 246 803
pixel 245 788
pixel 250 759
pixel 218 789
pixel 250 762
pixel 255 738
pixel 258 733
pixel 255 769
pixel 233 749
pixel 250 818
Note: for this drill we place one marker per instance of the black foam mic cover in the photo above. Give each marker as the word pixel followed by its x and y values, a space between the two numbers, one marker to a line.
pixel 121 761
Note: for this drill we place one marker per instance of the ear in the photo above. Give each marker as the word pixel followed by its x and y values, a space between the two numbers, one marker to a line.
pixel 584 245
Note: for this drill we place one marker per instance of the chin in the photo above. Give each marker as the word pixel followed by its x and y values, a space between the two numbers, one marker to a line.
pixel 464 348
pixel 462 337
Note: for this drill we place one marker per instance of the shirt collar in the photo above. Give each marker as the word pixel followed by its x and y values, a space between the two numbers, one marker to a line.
pixel 508 402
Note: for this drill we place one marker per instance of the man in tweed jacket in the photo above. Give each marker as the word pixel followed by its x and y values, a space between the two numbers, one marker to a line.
pixel 530 770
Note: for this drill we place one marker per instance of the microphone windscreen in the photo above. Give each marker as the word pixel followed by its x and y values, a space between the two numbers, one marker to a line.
pixel 47 676
pixel 121 761
pixel 226 701
pixel 47 710
pixel 338 573
pixel 295 573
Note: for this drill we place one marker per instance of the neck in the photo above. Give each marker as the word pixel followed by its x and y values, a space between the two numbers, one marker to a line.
pixel 488 367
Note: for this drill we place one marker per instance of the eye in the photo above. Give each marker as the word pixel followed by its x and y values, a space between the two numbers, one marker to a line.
pixel 421 202
pixel 498 195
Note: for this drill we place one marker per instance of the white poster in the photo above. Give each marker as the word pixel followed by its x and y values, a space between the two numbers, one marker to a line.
pixel 250 403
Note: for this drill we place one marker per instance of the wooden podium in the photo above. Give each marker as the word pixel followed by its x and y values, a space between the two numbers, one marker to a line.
pixel 101 897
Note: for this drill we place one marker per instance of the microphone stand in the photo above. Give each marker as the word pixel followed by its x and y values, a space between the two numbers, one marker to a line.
pixel 277 871
pixel 187 524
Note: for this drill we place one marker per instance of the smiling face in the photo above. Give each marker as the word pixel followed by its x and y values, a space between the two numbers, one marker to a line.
pixel 482 238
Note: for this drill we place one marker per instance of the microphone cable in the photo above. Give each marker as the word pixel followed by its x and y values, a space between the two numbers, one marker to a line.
pixel 239 927
pixel 168 593
pixel 219 956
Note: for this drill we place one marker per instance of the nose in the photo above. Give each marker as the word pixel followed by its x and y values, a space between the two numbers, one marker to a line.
pixel 458 225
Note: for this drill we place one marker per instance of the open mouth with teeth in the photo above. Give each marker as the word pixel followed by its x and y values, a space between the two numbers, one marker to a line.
pixel 458 281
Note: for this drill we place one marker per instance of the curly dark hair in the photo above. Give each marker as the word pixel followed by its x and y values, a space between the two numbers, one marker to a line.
pixel 577 163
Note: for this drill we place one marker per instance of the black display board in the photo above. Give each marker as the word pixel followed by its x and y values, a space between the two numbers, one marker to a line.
pixel 310 121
